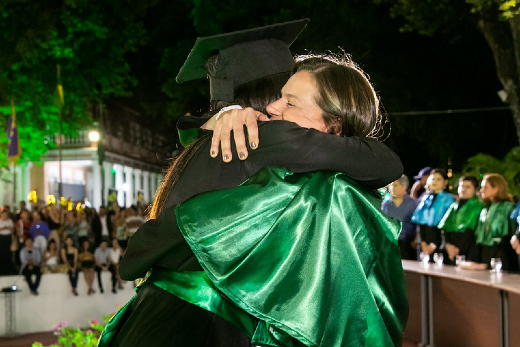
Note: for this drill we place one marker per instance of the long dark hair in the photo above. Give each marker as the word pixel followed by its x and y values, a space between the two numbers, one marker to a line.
pixel 256 94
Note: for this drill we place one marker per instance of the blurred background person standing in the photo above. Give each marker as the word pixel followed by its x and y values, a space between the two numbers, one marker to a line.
pixel 6 232
pixel 419 187
pixel 401 206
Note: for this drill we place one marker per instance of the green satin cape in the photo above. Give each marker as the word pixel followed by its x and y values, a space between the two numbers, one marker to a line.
pixel 311 256
pixel 458 220
pixel 494 223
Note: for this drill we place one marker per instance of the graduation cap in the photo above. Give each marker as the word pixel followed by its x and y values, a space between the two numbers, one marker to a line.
pixel 243 56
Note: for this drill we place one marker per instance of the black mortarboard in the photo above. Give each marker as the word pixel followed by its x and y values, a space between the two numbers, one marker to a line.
pixel 243 56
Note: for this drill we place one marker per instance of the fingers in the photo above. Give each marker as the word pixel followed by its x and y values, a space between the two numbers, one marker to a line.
pixel 252 128
pixel 225 136
pixel 215 140
pixel 234 120
pixel 240 139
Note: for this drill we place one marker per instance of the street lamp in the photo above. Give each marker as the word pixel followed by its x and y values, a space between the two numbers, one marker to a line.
pixel 97 136
pixel 93 136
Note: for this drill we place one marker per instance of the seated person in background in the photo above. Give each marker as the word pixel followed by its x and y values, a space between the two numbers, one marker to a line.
pixel 53 220
pixel 83 227
pixel 402 206
pixel 50 257
pixel 133 220
pixel 87 263
pixel 24 226
pixel 119 223
pixel 495 228
pixel 31 258
pixel 70 227
pixel 460 221
pixel 39 231
pixel 104 263
pixel 115 255
pixel 432 207
pixel 515 216
pixel 419 187
pixel 69 256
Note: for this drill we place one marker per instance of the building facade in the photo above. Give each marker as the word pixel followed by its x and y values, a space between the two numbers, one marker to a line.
pixel 130 170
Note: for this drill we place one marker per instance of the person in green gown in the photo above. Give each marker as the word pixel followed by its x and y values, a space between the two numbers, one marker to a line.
pixel 290 257
pixel 460 221
pixel 495 228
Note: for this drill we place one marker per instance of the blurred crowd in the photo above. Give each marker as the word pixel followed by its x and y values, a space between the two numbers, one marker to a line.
pixel 57 239
pixel 477 226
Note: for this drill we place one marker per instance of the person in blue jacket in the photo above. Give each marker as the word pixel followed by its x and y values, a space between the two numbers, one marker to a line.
pixel 432 207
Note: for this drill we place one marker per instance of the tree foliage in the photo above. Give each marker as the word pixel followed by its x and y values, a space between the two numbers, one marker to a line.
pixel 133 49
pixel 509 167
pixel 497 20
pixel 88 39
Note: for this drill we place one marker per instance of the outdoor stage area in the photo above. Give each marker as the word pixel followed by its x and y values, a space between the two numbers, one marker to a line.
pixel 56 303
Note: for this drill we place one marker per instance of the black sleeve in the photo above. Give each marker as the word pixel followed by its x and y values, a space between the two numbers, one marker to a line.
pixel 298 149
pixel 151 242
pixel 288 145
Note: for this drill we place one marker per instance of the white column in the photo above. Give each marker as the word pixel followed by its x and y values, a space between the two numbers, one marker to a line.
pixel 27 182
pixel 155 182
pixel 96 184
pixel 108 180
pixel 138 186
pixel 129 186
pixel 22 185
pixel 119 184
pixel 146 187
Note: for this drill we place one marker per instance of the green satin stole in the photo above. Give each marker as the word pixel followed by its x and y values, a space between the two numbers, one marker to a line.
pixel 292 260
pixel 458 220
pixel 311 256
pixel 494 223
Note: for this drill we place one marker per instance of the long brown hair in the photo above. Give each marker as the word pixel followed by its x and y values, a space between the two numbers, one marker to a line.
pixel 497 180
pixel 173 173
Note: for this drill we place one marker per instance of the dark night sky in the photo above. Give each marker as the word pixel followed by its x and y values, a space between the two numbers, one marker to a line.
pixel 411 72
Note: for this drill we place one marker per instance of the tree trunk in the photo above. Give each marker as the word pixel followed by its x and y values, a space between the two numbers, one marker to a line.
pixel 502 38
pixel 514 23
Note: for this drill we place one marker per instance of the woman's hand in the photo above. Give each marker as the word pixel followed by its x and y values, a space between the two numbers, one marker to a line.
pixel 426 248
pixel 234 120
pixel 452 251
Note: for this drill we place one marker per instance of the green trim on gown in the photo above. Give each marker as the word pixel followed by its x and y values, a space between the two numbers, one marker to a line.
pixel 458 220
pixel 494 223
pixel 311 255
pixel 291 260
